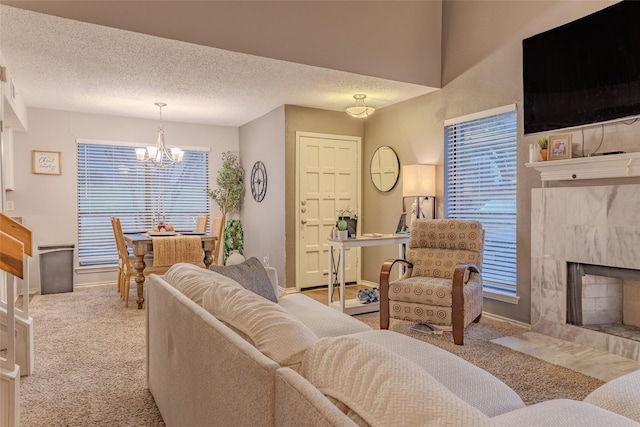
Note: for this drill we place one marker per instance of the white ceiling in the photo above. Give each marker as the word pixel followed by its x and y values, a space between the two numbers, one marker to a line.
pixel 62 64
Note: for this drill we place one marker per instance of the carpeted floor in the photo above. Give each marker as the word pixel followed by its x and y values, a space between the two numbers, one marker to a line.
pixel 90 362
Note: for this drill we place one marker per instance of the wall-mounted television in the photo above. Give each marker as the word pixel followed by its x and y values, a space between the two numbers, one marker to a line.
pixel 584 72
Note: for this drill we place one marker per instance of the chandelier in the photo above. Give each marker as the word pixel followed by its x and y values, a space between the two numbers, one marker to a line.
pixel 359 110
pixel 160 155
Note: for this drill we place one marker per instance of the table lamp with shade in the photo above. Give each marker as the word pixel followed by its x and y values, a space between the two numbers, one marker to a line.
pixel 419 181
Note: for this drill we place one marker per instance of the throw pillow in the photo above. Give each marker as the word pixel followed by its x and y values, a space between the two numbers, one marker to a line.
pixel 276 333
pixel 251 275
pixel 193 281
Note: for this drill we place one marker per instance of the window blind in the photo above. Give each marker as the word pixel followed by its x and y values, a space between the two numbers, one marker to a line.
pixel 111 182
pixel 480 184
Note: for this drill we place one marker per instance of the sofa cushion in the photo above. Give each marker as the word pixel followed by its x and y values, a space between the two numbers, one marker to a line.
pixel 273 331
pixel 251 275
pixel 382 388
pixel 474 385
pixel 323 320
pixel 621 395
pixel 193 281
pixel 561 412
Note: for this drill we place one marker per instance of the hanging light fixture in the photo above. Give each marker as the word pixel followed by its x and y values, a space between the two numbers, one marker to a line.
pixel 160 155
pixel 359 110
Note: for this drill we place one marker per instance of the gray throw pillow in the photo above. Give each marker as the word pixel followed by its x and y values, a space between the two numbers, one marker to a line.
pixel 251 275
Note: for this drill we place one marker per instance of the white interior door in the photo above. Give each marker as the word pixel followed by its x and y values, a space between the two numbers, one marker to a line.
pixel 328 178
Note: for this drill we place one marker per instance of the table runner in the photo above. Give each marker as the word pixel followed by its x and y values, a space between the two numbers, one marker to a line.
pixel 171 250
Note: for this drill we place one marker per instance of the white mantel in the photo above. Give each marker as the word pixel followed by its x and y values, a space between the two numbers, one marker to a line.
pixel 595 167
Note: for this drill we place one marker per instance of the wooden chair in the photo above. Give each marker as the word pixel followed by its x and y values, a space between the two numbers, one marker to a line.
pixel 126 271
pixel 442 284
pixel 201 223
pixel 217 230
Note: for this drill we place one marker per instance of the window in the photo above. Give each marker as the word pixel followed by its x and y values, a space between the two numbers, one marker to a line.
pixel 480 184
pixel 111 182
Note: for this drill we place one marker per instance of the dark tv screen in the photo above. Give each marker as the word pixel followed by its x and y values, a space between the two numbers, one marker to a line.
pixel 584 72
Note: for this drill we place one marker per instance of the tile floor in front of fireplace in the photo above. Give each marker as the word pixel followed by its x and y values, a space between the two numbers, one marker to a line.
pixel 595 363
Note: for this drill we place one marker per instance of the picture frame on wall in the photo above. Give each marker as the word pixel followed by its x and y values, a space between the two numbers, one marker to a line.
pixel 559 146
pixel 46 162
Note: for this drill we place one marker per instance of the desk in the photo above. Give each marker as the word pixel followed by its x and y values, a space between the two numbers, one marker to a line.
pixel 352 306
pixel 143 245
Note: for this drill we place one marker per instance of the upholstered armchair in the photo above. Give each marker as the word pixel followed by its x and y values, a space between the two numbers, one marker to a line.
pixel 442 283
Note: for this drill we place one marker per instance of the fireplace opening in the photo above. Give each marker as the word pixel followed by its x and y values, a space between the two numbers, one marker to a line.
pixel 604 299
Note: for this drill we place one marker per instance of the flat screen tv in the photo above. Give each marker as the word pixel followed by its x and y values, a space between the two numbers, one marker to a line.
pixel 584 72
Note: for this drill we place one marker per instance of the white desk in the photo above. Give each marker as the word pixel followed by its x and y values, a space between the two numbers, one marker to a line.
pixel 352 306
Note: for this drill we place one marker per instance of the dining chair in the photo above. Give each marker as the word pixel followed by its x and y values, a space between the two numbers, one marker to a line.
pixel 201 223
pixel 126 271
pixel 217 230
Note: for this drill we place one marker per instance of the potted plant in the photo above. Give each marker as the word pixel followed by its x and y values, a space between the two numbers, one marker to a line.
pixel 347 222
pixel 543 143
pixel 228 196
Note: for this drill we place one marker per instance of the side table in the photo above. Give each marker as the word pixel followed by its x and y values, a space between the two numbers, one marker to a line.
pixel 337 270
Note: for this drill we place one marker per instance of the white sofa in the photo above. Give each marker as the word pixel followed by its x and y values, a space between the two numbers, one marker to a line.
pixel 300 363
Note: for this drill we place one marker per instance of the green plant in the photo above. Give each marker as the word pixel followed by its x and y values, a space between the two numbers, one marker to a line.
pixel 230 183
pixel 233 238
pixel 347 212
pixel 543 142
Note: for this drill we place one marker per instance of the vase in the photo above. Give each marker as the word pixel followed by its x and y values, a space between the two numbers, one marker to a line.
pixel 343 234
pixel 235 257
pixel 543 154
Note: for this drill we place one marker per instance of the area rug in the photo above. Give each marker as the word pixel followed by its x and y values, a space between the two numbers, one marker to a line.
pixel 533 379
pixel 89 362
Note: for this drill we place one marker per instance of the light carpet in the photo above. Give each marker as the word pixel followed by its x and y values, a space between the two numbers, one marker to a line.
pixel 90 362
pixel 533 379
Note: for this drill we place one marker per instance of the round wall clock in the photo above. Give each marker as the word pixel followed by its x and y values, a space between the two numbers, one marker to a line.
pixel 258 181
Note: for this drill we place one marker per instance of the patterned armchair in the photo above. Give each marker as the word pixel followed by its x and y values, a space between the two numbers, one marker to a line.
pixel 442 284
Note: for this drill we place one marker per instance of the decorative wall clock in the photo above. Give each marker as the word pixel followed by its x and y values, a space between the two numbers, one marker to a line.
pixel 258 181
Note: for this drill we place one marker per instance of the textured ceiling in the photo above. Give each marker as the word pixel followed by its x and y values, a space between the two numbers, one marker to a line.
pixel 62 64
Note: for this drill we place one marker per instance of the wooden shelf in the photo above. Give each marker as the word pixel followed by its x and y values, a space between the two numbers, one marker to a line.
pixel 595 167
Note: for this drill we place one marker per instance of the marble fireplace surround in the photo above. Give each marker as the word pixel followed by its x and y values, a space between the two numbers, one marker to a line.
pixel 597 225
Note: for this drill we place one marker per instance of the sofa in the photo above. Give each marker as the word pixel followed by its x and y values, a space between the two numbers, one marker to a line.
pixel 230 348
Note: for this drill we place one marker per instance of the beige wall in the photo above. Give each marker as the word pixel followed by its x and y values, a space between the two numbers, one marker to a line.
pixel 307 120
pixel 264 223
pixel 48 203
pixel 482 69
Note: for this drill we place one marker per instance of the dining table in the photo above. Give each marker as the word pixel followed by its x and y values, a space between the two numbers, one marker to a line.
pixel 142 244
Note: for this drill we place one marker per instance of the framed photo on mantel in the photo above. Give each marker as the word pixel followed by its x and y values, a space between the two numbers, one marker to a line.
pixel 560 146
pixel 46 162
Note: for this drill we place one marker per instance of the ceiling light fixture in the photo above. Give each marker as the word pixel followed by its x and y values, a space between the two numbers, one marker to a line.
pixel 359 110
pixel 160 155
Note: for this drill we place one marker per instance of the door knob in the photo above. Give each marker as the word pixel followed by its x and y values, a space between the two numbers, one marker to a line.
pixel 303 210
pixel 304 221
pixel 304 202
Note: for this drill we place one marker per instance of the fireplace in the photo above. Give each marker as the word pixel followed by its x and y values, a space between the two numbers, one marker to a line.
pixel 592 232
pixel 604 299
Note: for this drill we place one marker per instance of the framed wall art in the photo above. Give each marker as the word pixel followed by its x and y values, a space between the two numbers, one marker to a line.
pixel 559 146
pixel 46 162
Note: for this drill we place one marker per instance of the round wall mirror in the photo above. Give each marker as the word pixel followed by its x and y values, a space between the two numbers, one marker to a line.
pixel 385 168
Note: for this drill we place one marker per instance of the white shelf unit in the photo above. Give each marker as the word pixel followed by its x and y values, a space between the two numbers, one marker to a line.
pixel 595 167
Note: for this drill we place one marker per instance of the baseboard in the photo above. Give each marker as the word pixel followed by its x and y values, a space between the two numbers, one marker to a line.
pixel 369 283
pixel 506 319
